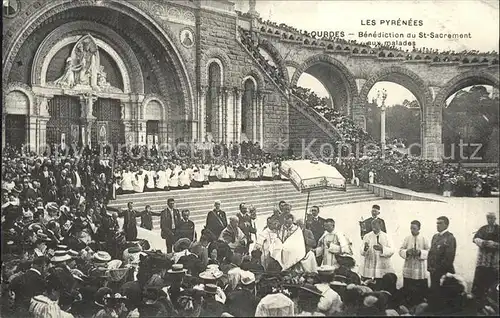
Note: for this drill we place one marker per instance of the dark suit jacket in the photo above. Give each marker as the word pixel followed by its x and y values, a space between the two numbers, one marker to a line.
pixel 51 196
pixel 216 224
pixel 317 227
pixel 442 253
pixel 185 229
pixel 167 218
pixel 247 228
pixel 368 226
pixel 241 303
pixel 309 239
pixel 31 284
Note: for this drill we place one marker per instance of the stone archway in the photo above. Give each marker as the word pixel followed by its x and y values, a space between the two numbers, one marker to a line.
pixel 335 77
pixel 267 46
pixel 429 141
pixel 464 80
pixel 454 137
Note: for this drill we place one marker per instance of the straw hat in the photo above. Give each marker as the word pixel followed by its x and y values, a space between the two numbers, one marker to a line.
pixel 182 244
pixel 210 289
pixel 247 277
pixel 211 273
pixel 60 256
pixel 326 270
pixel 311 289
pixel 101 257
pixel 177 269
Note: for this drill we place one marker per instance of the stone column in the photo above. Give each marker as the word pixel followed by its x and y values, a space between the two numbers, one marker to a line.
pixel 219 115
pixel 42 119
pixel 261 119
pixel 432 147
pixel 237 115
pixel 42 134
pixel 4 115
pixel 229 119
pixel 202 110
pixel 32 133
pixel 254 116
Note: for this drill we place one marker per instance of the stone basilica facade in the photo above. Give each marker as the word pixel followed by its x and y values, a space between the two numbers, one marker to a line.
pixel 159 71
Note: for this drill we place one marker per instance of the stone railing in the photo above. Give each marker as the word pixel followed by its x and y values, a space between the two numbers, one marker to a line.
pixel 316 117
pixel 340 45
pixel 299 104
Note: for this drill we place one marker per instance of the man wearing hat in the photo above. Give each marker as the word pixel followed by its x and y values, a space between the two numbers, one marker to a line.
pixel 28 285
pixel 366 225
pixel 211 307
pixel 243 302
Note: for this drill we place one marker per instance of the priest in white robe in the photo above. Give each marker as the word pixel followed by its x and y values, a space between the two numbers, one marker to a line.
pixel 414 251
pixel 266 240
pixel 331 243
pixel 377 249
pixel 290 249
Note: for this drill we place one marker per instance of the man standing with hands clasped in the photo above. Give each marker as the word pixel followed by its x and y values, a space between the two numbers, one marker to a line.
pixel 414 251
pixel 442 253
pixel 377 249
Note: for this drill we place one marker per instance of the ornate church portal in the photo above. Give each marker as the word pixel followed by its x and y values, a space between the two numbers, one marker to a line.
pixel 83 115
pixel 93 81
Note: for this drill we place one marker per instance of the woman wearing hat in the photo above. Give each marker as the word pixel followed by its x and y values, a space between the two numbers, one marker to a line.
pixel 114 306
pixel 308 299
pixel 243 301
pixel 46 305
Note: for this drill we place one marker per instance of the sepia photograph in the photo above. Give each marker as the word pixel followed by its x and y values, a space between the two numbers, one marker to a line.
pixel 250 158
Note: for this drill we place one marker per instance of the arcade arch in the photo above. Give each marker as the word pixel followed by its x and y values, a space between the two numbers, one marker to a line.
pixel 335 77
pixel 469 104
pixel 411 82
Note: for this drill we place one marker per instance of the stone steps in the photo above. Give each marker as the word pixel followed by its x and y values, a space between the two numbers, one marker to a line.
pixel 264 197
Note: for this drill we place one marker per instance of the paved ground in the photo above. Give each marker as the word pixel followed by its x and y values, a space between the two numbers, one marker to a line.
pixel 466 216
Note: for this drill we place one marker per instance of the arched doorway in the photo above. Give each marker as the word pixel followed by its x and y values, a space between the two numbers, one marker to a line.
pixel 148 64
pixel 16 112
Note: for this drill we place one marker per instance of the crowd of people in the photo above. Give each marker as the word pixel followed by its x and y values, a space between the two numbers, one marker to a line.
pixel 379 46
pixel 393 167
pixel 253 47
pixel 67 262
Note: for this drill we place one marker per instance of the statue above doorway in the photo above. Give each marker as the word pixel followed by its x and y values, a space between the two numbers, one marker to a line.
pixel 83 70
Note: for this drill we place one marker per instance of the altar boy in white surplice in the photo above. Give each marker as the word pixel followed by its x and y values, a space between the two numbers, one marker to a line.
pixel 331 243
pixel 377 250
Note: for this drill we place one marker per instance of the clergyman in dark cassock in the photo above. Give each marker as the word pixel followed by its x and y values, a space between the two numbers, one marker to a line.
pixel 441 254
pixel 486 274
pixel 366 225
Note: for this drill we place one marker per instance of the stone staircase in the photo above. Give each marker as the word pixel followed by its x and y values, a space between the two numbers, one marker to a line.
pixel 264 195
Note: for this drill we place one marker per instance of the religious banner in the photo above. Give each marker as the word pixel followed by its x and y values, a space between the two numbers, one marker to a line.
pixel 75 134
pixel 63 141
pixel 150 139
pixel 102 131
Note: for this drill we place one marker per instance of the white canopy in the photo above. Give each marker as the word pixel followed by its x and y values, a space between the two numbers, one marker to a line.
pixel 307 175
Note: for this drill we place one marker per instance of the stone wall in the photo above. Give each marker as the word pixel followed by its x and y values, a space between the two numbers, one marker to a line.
pixel 217 34
pixel 304 132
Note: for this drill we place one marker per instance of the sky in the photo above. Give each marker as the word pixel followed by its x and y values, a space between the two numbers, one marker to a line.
pixel 479 17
